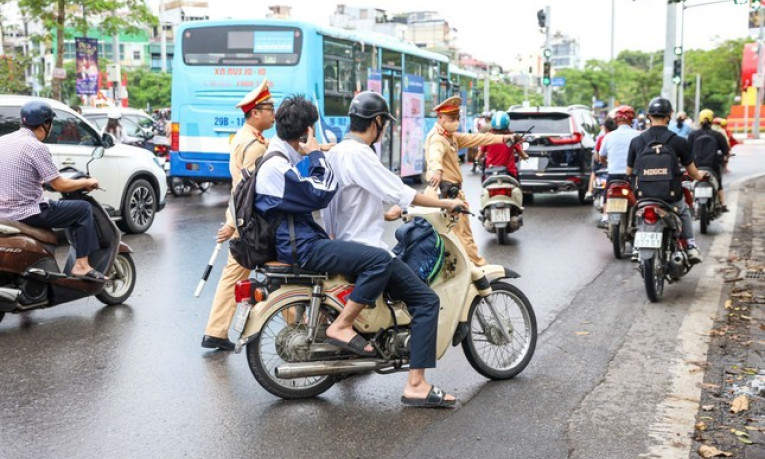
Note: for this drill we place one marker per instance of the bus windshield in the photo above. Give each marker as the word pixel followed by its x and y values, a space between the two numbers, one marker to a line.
pixel 242 45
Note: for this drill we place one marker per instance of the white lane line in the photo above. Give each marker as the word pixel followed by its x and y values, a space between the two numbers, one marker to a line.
pixel 676 414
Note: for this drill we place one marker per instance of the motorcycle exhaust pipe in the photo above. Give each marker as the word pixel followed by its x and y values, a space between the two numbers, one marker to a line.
pixel 328 367
pixel 9 295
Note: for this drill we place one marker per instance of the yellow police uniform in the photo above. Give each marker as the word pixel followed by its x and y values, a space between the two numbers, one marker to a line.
pixel 247 145
pixel 441 154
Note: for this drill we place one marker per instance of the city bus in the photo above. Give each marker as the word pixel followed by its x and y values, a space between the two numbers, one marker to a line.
pixel 463 83
pixel 217 62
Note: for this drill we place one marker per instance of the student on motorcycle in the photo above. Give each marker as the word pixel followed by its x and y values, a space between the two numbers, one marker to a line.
pixel 356 214
pixel 501 154
pixel 660 113
pixel 25 165
pixel 296 186
pixel 615 147
pixel 710 149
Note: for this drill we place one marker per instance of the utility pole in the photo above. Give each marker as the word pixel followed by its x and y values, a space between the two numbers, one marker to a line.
pixel 117 84
pixel 548 88
pixel 681 56
pixel 697 100
pixel 613 83
pixel 668 88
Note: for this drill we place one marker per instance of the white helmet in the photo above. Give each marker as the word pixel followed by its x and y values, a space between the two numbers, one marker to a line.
pixel 114 114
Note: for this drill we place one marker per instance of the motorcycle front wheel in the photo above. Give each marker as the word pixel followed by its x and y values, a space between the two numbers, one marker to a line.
pixel 486 347
pixel 653 276
pixel 278 343
pixel 121 281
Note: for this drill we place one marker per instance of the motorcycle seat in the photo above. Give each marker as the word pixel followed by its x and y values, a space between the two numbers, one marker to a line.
pixel 276 267
pixel 43 235
pixel 504 179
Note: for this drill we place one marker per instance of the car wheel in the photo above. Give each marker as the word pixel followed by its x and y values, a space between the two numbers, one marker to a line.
pixel 139 208
pixel 528 199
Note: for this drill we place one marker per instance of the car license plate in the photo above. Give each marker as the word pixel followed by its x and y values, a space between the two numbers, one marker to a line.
pixel 530 164
pixel 616 205
pixel 241 315
pixel 500 215
pixel 647 240
pixel 703 192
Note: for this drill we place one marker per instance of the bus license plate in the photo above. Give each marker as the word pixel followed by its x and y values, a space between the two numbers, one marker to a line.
pixel 647 240
pixel 500 215
pixel 530 164
pixel 703 192
pixel 614 205
pixel 241 315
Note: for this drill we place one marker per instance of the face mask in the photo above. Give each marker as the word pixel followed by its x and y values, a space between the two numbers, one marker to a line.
pixel 451 126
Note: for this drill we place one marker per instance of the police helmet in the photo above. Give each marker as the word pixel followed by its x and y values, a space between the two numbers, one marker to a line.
pixel 368 104
pixel 36 112
pixel 500 121
pixel 659 107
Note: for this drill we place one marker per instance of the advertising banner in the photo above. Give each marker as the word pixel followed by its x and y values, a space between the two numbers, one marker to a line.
pixel 86 53
pixel 413 126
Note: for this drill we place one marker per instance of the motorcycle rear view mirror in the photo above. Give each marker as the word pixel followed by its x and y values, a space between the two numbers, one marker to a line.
pixel 97 153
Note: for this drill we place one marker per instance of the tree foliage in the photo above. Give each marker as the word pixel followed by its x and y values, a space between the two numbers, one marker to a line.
pixel 150 88
pixel 503 94
pixel 12 76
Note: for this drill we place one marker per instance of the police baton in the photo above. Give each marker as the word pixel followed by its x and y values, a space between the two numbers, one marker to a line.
pixel 206 274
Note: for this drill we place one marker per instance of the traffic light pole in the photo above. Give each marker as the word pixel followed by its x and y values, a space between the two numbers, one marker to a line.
pixel 548 88
pixel 668 88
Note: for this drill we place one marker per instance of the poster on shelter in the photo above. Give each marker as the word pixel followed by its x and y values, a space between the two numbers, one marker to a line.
pixel 86 53
pixel 413 125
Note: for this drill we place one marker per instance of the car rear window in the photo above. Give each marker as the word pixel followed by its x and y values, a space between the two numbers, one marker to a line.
pixel 542 123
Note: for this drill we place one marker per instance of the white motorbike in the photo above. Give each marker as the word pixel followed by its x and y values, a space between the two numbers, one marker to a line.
pixel 282 317
pixel 501 203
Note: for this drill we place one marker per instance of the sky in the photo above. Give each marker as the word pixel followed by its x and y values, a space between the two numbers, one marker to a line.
pixel 499 31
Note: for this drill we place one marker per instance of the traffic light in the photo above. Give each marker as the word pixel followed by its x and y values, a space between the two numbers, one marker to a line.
pixel 677 71
pixel 546 74
pixel 541 19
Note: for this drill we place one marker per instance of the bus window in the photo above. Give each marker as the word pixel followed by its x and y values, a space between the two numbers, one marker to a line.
pixel 338 77
pixel 365 58
pixel 391 59
pixel 242 45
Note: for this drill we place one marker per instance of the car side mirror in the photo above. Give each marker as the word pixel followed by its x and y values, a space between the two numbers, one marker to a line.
pixel 107 140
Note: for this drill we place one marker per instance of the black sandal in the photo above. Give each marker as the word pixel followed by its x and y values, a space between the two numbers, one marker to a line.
pixel 436 399
pixel 355 345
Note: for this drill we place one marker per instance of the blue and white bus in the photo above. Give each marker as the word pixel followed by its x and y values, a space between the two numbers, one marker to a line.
pixel 217 62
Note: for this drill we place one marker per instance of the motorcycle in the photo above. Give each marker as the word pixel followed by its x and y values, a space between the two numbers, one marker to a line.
pixel 31 278
pixel 501 203
pixel 599 188
pixel 661 251
pixel 706 203
pixel 620 208
pixel 282 316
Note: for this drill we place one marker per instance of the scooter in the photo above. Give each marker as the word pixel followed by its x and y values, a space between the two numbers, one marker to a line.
pixel 599 188
pixel 661 251
pixel 706 203
pixel 620 208
pixel 282 316
pixel 501 203
pixel 31 278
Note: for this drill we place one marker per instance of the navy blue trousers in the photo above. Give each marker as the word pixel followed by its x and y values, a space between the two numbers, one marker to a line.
pixel 423 304
pixel 74 216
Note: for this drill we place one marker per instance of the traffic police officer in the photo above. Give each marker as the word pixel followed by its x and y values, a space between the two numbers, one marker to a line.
pixel 246 147
pixel 441 147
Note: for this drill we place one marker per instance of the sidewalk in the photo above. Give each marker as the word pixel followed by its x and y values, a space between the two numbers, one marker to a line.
pixel 731 421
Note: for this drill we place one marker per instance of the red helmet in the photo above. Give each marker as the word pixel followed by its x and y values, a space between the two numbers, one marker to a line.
pixel 624 112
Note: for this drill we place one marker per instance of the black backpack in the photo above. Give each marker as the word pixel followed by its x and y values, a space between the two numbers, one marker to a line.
pixel 705 149
pixel 657 169
pixel 420 247
pixel 255 245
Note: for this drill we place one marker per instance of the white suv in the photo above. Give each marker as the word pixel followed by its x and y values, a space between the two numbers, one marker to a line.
pixel 135 184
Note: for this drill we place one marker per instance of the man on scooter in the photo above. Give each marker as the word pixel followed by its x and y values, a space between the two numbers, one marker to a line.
pixel 25 165
pixel 660 113
pixel 356 214
pixel 615 148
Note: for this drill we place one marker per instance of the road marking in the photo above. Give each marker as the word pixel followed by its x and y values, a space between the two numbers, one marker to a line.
pixel 676 414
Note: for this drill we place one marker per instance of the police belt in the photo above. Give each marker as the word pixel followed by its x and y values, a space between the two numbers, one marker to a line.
pixel 449 190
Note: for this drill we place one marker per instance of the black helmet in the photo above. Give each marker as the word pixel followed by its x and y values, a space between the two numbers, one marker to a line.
pixel 659 106
pixel 368 104
pixel 36 112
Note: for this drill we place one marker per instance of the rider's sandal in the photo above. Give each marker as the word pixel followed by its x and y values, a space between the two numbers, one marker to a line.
pixel 436 399
pixel 355 345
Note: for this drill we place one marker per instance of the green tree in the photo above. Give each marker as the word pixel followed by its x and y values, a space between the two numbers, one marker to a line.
pixel 720 71
pixel 502 95
pixel 114 16
pixel 149 88
pixel 12 76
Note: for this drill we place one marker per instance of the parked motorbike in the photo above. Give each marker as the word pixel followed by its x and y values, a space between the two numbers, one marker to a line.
pixel 31 278
pixel 620 208
pixel 599 188
pixel 501 203
pixel 662 252
pixel 283 314
pixel 706 203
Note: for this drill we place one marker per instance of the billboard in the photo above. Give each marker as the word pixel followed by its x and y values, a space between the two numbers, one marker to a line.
pixel 86 53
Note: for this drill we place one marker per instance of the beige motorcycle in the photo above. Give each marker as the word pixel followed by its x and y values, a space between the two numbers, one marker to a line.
pixel 282 316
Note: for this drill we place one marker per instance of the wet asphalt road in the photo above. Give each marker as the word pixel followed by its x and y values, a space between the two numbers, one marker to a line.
pixel 85 380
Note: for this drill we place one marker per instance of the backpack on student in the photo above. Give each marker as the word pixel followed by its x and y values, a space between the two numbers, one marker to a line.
pixel 705 149
pixel 421 248
pixel 657 169
pixel 255 243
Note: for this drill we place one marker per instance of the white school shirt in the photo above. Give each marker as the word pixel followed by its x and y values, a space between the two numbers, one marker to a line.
pixel 364 186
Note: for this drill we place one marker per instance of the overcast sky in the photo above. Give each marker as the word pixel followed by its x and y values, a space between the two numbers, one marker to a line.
pixel 500 30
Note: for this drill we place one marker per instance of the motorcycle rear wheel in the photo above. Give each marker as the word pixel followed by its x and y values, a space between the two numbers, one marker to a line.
pixel 703 218
pixel 485 346
pixel 266 352
pixel 618 239
pixel 653 276
pixel 179 187
pixel 501 236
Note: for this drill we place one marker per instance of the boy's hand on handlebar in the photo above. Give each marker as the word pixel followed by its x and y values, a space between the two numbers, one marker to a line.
pixel 457 206
pixel 311 144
